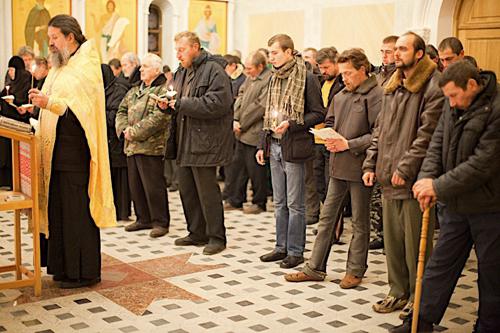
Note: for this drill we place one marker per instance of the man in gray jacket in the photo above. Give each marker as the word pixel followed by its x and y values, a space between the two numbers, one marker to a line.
pixel 352 114
pixel 460 172
pixel 248 119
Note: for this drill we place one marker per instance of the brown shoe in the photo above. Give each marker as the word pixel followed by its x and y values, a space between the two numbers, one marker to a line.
pixel 300 277
pixel 350 281
pixel 227 207
pixel 253 209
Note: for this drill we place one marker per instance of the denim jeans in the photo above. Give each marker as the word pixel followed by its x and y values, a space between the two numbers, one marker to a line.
pixel 289 206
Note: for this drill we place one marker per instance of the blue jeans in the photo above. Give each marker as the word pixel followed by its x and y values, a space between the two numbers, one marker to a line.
pixel 289 203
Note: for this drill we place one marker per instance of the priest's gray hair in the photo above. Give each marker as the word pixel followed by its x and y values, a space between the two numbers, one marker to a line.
pixel 131 57
pixel 153 61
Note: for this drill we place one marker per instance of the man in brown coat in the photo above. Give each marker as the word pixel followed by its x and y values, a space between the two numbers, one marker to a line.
pixel 411 107
pixel 352 114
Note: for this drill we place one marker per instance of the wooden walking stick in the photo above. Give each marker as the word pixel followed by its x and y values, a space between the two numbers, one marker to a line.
pixel 420 269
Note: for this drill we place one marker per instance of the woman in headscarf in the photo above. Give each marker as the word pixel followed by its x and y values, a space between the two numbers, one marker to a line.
pixel 115 89
pixel 19 82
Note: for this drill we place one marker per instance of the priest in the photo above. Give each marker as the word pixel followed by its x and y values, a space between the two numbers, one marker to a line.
pixel 76 198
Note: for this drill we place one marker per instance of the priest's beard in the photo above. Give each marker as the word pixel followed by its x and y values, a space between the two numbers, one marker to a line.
pixel 59 58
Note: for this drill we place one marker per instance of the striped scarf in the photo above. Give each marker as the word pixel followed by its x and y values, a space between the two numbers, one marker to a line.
pixel 290 101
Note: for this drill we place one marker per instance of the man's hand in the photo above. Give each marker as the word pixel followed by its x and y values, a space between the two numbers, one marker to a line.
pixel 171 104
pixel 163 105
pixel 397 180
pixel 23 109
pixel 423 191
pixel 38 98
pixel 126 134
pixel 369 178
pixel 236 127
pixel 260 157
pixel 282 128
pixel 336 145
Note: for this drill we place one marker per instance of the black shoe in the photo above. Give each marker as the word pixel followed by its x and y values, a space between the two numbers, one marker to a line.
pixel 405 327
pixel 312 220
pixel 273 256
pixel 291 262
pixel 72 284
pixel 158 231
pixel 58 278
pixel 188 241
pixel 376 244
pixel 173 188
pixel 137 226
pixel 214 248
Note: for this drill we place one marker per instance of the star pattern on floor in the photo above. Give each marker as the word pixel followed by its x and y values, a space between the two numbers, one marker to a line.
pixel 132 285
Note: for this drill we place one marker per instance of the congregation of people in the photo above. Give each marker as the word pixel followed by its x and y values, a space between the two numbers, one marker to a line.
pixel 420 131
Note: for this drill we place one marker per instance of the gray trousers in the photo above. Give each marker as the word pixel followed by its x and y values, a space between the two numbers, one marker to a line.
pixel 333 206
pixel 402 225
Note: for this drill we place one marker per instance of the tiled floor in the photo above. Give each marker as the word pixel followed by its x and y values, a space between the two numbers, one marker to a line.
pixel 150 285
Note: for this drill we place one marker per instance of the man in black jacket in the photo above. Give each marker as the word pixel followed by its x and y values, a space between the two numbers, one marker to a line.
pixel 293 106
pixel 202 139
pixel 460 173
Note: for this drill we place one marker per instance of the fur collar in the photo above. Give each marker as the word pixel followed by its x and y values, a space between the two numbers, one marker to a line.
pixel 416 81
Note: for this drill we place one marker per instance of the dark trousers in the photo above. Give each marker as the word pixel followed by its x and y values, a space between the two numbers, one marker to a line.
pixel 233 176
pixel 146 182
pixel 246 166
pixel 321 167
pixel 74 246
pixel 376 212
pixel 459 232
pixel 202 203
pixel 121 192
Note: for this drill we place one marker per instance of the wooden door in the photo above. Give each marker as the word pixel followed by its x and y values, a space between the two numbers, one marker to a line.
pixel 478 27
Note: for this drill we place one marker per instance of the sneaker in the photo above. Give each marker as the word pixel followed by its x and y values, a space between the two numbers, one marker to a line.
pixel 376 244
pixel 137 226
pixel 350 281
pixel 389 304
pixel 158 231
pixel 253 209
pixel 406 312
pixel 300 277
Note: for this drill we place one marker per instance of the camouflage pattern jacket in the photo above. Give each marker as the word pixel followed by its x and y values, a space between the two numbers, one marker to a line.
pixel 149 125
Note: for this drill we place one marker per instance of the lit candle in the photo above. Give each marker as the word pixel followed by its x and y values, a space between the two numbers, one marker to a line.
pixel 171 93
pixel 7 90
pixel 274 118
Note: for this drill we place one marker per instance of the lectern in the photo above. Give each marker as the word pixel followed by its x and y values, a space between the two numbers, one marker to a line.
pixel 24 195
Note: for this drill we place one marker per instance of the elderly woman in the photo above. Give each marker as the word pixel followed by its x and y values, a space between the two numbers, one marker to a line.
pixel 145 129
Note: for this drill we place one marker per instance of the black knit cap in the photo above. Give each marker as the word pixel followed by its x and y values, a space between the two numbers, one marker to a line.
pixel 16 62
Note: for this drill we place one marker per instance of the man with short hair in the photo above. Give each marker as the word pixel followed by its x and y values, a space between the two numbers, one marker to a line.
pixel 450 50
pixel 293 106
pixel 130 67
pixel 384 74
pixel 28 55
pixel 144 127
pixel 332 83
pixel 201 140
pixel 411 107
pixel 41 71
pixel 76 196
pixel 235 70
pixel 309 55
pixel 116 66
pixel 460 173
pixel 249 111
pixel 353 116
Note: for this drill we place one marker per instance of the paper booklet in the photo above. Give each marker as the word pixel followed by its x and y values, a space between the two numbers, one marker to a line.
pixel 14 125
pixel 326 133
pixel 162 98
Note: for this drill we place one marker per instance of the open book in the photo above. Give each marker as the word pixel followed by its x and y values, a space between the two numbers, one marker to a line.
pixel 326 133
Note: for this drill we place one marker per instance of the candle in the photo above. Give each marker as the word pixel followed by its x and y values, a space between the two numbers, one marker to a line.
pixel 7 89
pixel 33 68
pixel 171 93
pixel 274 118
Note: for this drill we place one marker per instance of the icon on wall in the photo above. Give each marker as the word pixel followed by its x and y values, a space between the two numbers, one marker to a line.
pixel 208 19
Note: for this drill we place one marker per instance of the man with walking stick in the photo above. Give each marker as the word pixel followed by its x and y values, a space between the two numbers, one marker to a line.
pixel 459 172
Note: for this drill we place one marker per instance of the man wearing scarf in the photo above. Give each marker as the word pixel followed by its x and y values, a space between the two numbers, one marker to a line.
pixel 75 196
pixel 293 106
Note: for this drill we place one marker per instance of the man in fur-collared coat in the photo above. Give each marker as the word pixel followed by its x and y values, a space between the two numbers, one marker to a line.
pixel 411 107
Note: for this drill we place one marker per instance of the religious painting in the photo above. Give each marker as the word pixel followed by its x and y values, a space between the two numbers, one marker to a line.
pixel 113 25
pixel 208 19
pixel 30 20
